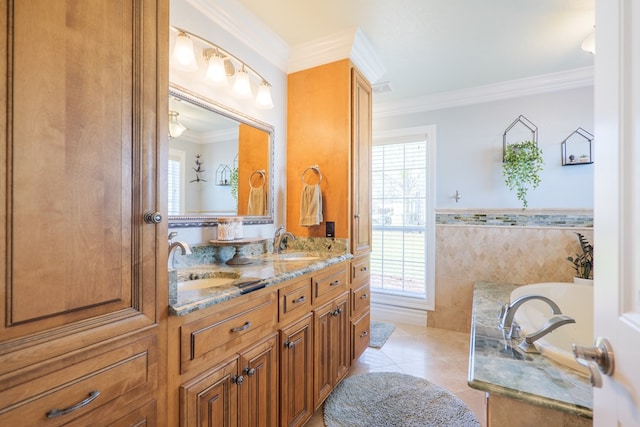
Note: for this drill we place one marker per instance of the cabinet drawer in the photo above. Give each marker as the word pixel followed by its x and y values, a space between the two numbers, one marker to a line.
pixel 360 300
pixel 294 299
pixel 226 330
pixel 360 271
pixel 50 400
pixel 360 330
pixel 330 283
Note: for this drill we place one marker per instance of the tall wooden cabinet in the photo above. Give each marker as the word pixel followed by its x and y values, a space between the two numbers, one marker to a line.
pixel 83 276
pixel 329 125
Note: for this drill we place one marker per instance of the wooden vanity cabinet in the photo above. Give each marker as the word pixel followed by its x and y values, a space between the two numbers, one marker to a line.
pixel 240 391
pixel 83 289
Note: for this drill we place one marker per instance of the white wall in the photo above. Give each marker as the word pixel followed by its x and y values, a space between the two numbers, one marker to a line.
pixel 469 149
pixel 191 16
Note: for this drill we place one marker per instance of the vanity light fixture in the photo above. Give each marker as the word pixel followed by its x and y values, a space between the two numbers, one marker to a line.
pixel 221 66
pixel 183 53
pixel 218 69
pixel 242 84
pixel 589 43
pixel 175 127
pixel 263 99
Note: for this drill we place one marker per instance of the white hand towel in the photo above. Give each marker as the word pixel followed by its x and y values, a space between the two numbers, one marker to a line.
pixel 311 205
pixel 257 201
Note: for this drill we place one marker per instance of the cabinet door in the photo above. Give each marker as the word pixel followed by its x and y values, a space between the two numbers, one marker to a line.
pixel 258 404
pixel 78 171
pixel 331 346
pixel 212 398
pixel 361 164
pixel 296 373
pixel 322 375
pixel 341 357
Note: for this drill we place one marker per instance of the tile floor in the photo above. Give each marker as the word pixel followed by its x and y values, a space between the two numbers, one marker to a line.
pixel 437 355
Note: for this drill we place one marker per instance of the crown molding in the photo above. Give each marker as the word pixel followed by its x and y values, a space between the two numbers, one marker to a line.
pixel 553 82
pixel 246 27
pixel 351 43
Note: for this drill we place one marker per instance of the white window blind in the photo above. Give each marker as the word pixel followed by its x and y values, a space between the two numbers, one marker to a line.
pixel 176 172
pixel 399 197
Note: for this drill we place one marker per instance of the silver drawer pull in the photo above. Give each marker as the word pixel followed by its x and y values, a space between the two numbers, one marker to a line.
pixel 364 296
pixel 334 283
pixel 244 327
pixel 59 412
pixel 301 299
pixel 364 334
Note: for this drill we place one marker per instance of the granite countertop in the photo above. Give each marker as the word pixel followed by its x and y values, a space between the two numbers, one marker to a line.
pixel 497 366
pixel 265 270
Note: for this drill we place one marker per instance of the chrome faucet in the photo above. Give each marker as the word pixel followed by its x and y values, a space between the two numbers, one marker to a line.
pixel 554 323
pixel 509 310
pixel 279 237
pixel 184 248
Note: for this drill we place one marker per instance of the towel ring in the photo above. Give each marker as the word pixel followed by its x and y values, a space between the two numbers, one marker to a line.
pixel 314 168
pixel 262 175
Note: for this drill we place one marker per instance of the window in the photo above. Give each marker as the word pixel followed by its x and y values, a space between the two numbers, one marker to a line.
pixel 176 181
pixel 402 221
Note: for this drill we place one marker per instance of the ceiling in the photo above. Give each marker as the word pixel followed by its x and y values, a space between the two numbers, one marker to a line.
pixel 434 46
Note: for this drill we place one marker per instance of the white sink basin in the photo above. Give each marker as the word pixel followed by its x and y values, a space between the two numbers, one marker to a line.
pixel 210 282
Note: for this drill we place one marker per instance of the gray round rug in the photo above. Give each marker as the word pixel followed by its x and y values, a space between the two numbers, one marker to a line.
pixel 387 399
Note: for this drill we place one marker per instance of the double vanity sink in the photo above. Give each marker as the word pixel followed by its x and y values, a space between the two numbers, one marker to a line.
pixel 200 286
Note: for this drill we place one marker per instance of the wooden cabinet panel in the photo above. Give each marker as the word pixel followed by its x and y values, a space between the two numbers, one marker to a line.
pixel 360 330
pixel 129 369
pixel 82 104
pixel 227 330
pixel 296 372
pixel 360 300
pixel 329 283
pixel 212 398
pixel 258 405
pixel 294 299
pixel 331 346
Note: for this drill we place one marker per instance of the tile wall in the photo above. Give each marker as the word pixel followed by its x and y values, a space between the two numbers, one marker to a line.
pixel 511 246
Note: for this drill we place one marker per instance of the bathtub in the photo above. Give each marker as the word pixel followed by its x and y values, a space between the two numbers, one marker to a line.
pixel 575 300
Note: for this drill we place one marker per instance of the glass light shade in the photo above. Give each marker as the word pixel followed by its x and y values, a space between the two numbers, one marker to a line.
pixel 216 72
pixel 263 99
pixel 242 84
pixel 589 44
pixel 175 127
pixel 183 55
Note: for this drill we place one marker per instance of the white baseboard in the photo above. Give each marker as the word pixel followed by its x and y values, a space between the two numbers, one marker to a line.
pixel 393 313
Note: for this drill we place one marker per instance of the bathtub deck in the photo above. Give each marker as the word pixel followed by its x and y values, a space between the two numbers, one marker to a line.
pixel 495 367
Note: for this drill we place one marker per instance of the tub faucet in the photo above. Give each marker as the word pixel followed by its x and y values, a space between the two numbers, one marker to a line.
pixel 509 310
pixel 184 248
pixel 279 236
pixel 554 323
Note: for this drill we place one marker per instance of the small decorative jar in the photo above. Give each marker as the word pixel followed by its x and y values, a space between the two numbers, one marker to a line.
pixel 226 229
pixel 238 233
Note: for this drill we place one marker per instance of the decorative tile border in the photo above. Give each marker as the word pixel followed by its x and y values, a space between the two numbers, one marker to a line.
pixel 570 218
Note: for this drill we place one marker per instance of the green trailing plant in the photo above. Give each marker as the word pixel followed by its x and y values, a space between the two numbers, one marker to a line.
pixel 521 167
pixel 233 183
pixel 583 262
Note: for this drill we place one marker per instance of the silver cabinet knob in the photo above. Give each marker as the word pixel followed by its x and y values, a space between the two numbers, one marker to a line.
pixel 152 218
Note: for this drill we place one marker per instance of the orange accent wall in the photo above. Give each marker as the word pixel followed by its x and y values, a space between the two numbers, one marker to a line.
pixel 318 132
pixel 253 155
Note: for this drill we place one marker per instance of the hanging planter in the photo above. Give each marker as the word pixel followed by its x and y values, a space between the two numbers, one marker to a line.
pixel 521 167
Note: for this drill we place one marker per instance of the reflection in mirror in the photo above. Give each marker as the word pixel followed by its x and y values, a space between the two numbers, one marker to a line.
pixel 220 163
